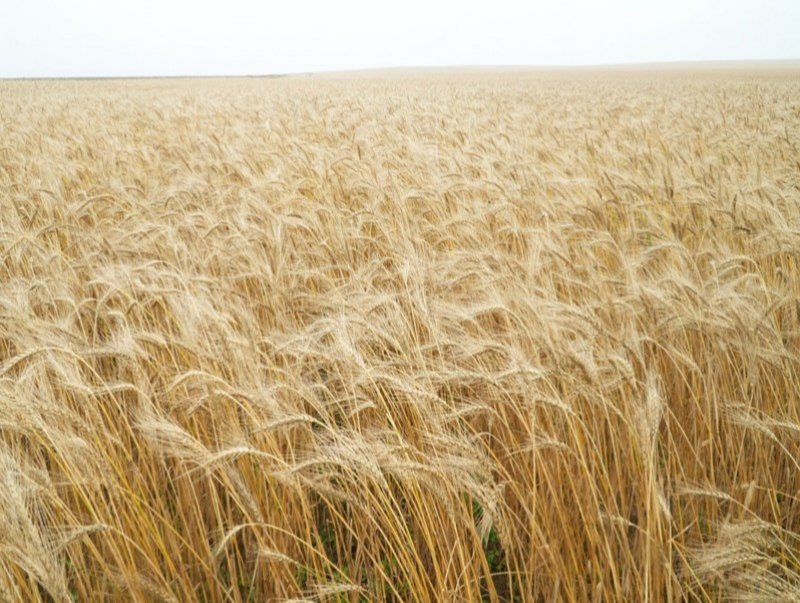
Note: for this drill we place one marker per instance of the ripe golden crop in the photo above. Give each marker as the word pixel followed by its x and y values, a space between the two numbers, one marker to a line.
pixel 511 336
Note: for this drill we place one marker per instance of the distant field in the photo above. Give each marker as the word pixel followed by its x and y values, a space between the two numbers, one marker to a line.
pixel 408 336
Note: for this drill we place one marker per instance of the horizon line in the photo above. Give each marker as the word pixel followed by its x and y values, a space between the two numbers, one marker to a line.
pixel 732 64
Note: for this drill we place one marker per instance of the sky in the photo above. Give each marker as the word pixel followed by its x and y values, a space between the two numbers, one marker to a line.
pixel 83 38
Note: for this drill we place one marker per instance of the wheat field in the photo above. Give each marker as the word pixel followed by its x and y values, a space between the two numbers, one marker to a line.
pixel 447 336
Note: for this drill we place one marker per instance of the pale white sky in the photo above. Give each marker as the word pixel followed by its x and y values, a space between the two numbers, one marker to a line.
pixel 47 38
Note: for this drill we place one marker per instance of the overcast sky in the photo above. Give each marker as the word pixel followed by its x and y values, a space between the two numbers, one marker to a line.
pixel 47 38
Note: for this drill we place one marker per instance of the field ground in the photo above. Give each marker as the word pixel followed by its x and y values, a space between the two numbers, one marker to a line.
pixel 495 335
